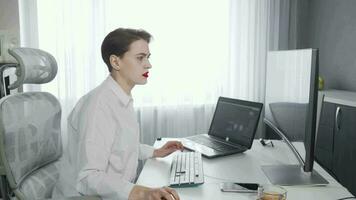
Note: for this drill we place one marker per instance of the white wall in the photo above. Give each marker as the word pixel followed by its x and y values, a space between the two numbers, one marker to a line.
pixel 9 16
pixel 9 28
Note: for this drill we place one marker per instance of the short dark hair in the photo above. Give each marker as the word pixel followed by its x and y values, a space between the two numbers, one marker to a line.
pixel 118 42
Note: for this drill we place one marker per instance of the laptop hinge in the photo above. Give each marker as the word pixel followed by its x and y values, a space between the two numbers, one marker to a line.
pixel 226 141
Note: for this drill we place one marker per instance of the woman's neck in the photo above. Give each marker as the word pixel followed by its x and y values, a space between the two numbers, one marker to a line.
pixel 121 81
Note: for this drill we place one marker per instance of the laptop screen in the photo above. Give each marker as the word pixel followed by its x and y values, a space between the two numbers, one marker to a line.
pixel 236 120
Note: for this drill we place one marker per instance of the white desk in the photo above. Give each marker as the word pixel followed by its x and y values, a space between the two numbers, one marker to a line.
pixel 243 167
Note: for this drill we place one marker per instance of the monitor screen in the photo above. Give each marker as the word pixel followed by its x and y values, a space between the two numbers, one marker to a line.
pixel 291 97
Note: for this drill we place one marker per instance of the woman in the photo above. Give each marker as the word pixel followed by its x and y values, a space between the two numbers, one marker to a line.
pixel 103 146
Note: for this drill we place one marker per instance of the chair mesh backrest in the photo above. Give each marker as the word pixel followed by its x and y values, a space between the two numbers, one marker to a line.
pixel 30 141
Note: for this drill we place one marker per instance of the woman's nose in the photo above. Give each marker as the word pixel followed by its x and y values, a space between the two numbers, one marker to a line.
pixel 148 65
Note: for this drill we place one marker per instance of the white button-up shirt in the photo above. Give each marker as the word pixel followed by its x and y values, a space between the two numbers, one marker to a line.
pixel 103 145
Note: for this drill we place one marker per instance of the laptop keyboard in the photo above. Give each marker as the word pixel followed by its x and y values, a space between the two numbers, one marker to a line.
pixel 186 170
pixel 212 143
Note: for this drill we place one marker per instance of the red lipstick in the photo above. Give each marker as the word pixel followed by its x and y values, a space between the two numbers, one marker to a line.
pixel 145 75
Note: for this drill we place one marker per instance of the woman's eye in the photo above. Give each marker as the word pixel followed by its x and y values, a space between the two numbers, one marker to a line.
pixel 140 58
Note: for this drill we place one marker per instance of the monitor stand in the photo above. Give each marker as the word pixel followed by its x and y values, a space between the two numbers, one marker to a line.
pixel 287 175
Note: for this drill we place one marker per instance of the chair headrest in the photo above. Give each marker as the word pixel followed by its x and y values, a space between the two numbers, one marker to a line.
pixel 35 66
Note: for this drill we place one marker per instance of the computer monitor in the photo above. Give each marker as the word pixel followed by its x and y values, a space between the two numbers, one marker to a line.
pixel 291 110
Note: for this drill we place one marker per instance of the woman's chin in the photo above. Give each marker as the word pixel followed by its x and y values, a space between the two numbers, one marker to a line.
pixel 142 82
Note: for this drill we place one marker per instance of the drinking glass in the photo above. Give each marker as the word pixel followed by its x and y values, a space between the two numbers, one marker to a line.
pixel 272 192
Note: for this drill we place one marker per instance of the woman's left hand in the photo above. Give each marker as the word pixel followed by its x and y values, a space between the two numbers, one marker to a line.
pixel 168 148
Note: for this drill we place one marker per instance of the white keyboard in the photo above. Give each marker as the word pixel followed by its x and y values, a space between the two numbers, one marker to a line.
pixel 186 170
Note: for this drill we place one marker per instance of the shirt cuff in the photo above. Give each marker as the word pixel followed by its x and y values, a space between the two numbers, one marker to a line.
pixel 117 190
pixel 107 187
pixel 146 151
pixel 127 189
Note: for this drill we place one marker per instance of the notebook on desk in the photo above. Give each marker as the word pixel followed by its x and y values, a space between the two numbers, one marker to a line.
pixel 232 129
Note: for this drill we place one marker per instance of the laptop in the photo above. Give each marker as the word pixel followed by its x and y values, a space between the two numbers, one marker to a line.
pixel 232 129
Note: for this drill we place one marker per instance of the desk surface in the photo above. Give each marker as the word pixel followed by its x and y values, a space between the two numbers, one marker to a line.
pixel 245 167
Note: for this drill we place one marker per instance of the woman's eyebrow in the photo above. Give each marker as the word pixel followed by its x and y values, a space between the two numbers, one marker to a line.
pixel 143 54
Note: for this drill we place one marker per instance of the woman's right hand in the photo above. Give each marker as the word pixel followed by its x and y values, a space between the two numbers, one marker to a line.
pixel 140 192
pixel 162 193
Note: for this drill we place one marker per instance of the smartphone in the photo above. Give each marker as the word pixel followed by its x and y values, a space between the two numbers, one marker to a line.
pixel 239 187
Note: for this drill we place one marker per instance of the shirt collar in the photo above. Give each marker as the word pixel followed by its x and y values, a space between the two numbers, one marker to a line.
pixel 118 91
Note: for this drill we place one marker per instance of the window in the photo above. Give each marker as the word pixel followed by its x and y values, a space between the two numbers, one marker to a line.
pixel 189 49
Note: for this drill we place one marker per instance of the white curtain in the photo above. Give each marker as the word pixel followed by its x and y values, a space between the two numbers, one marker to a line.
pixel 201 50
pixel 255 29
pixel 249 43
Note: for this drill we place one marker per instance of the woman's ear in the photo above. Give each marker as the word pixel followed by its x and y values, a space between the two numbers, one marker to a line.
pixel 114 62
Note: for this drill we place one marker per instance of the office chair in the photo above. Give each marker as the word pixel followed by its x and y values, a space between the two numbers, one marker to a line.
pixel 30 130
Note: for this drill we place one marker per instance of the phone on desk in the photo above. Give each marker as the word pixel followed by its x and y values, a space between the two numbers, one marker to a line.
pixel 239 187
